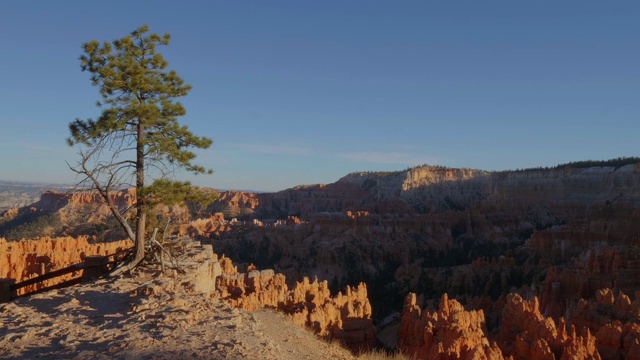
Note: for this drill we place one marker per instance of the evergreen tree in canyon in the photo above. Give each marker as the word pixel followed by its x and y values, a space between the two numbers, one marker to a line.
pixel 136 140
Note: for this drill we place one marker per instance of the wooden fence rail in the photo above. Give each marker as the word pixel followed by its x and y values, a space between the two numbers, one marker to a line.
pixel 94 266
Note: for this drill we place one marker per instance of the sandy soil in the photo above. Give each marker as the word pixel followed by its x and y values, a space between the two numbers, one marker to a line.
pixel 103 320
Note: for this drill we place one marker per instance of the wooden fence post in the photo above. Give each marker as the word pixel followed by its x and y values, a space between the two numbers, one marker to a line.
pixel 6 294
pixel 95 267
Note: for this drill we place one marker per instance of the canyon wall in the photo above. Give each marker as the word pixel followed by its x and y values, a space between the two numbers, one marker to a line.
pixel 422 230
pixel 428 189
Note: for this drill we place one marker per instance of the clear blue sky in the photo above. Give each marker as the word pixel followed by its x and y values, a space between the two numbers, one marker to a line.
pixel 303 92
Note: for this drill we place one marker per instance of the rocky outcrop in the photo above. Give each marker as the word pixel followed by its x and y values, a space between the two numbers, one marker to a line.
pixel 74 214
pixel 9 214
pixel 25 259
pixel 52 200
pixel 447 333
pixel 235 203
pixel 346 316
pixel 199 268
pixel 211 226
pixel 253 290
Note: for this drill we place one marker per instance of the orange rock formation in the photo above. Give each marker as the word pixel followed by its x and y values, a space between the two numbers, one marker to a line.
pixel 53 199
pixel 453 333
pixel 235 203
pixel 205 227
pixel 346 317
pixel 526 334
pixel 447 333
pixel 615 320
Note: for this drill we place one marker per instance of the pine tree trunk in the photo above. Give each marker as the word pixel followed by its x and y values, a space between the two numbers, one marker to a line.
pixel 140 206
pixel 140 201
pixel 140 239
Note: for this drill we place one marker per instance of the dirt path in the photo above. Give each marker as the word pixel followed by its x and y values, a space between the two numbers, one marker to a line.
pixel 102 320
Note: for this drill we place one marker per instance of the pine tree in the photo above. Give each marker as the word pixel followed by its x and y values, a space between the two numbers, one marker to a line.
pixel 137 135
